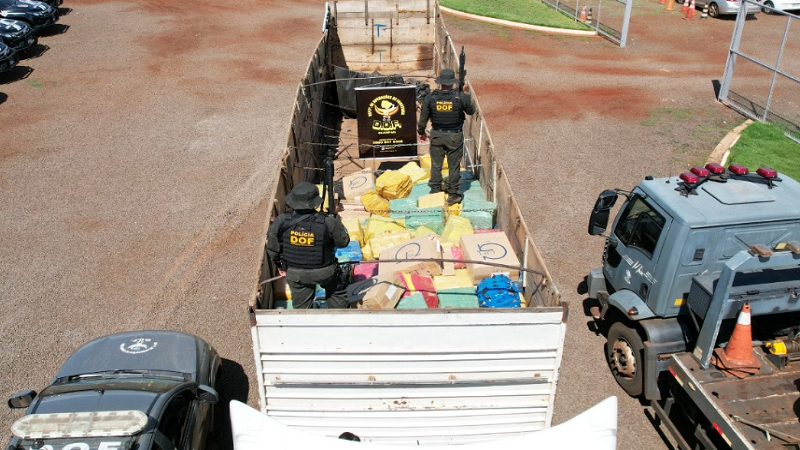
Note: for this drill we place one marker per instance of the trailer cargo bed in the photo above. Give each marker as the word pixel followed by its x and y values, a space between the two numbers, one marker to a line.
pixel 766 402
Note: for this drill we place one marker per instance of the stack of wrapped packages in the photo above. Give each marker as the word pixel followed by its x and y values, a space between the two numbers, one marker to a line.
pixel 406 245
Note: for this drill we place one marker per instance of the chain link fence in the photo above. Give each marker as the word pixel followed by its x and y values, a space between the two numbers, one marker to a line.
pixel 762 76
pixel 609 18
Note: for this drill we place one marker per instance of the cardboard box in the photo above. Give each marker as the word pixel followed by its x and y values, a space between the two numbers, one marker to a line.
pixel 423 247
pixel 358 183
pixel 489 247
pixel 384 294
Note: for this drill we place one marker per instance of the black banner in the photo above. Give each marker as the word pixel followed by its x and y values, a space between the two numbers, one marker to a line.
pixel 387 121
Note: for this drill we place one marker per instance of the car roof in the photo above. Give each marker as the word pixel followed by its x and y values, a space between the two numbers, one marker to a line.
pixel 137 350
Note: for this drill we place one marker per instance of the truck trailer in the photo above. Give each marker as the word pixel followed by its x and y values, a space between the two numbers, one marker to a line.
pixel 414 376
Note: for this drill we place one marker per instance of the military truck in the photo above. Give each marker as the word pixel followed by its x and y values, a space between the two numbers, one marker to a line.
pixel 683 257
pixel 402 376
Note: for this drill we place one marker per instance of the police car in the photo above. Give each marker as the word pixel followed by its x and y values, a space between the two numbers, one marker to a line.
pixel 130 391
pixel 8 58
pixel 17 34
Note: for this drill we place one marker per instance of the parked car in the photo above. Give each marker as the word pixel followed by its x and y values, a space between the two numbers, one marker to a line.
pixel 718 8
pixel 53 3
pixel 792 6
pixel 38 15
pixel 143 390
pixel 8 58
pixel 17 34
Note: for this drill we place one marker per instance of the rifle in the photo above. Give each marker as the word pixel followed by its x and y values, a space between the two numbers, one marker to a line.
pixel 462 71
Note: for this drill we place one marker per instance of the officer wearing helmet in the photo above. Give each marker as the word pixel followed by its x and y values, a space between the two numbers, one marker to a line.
pixel 302 243
pixel 446 109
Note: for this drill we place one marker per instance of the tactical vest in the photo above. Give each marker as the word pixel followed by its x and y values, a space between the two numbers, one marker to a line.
pixel 305 244
pixel 447 111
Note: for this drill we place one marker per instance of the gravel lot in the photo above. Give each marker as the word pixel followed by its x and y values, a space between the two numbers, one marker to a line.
pixel 139 147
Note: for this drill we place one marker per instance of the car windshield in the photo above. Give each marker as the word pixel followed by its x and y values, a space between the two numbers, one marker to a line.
pixel 6 3
pixel 149 380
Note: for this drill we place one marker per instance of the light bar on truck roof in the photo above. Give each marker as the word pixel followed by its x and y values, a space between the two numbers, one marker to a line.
pixel 715 168
pixel 767 172
pixel 738 169
pixel 700 171
pixel 80 424
pixel 689 178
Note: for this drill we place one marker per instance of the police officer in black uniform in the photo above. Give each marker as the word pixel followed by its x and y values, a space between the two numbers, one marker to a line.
pixel 445 107
pixel 302 242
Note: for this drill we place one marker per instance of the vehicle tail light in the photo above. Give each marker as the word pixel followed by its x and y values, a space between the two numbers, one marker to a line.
pixel 689 178
pixel 767 173
pixel 700 172
pixel 738 169
pixel 715 168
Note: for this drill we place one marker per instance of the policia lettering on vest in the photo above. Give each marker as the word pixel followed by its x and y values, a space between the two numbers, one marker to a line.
pixel 302 243
pixel 446 108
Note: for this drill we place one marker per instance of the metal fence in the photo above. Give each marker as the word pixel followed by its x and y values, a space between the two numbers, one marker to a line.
pixel 609 18
pixel 762 76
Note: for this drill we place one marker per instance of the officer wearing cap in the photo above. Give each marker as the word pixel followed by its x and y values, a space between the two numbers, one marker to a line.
pixel 446 109
pixel 302 243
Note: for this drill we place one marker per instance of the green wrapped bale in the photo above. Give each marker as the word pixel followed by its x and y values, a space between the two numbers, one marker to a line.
pixel 458 298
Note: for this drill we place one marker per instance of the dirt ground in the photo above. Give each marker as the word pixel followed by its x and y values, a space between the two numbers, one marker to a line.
pixel 139 149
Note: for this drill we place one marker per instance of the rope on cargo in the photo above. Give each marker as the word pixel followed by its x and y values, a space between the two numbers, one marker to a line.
pixel 537 286
pixel 414 73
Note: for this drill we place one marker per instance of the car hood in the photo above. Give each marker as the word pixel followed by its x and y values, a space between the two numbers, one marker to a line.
pixel 139 350
pixel 24 6
pixel 12 27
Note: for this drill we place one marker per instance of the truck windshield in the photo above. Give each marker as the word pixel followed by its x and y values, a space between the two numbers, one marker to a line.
pixel 640 226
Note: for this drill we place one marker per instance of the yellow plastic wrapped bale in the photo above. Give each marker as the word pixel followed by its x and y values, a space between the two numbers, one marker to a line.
pixel 324 206
pixel 354 229
pixel 425 162
pixel 375 204
pixel 453 210
pixel 414 171
pixel 383 241
pixel 461 279
pixel 423 231
pixel 393 184
pixel 432 200
pixel 456 227
pixel 378 224
pixel 366 252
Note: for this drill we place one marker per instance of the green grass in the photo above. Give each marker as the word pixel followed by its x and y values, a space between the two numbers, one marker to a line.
pixel 764 145
pixel 531 12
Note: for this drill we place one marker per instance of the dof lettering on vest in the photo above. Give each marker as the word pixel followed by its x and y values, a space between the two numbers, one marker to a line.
pixel 444 105
pixel 301 238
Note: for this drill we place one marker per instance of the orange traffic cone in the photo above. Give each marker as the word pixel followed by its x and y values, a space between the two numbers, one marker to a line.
pixel 582 16
pixel 685 6
pixel 737 358
pixel 670 5
pixel 662 2
pixel 690 11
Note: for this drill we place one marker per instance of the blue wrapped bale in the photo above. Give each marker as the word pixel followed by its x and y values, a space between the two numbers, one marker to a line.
pixel 350 253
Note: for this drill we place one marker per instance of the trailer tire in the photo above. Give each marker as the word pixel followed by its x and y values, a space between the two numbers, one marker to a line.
pixel 624 353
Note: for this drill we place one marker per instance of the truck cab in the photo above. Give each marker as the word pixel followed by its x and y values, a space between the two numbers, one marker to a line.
pixel 668 232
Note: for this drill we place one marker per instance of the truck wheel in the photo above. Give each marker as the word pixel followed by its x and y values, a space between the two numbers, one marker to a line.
pixel 624 354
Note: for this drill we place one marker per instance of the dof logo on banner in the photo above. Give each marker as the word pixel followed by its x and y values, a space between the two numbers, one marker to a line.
pixel 387 121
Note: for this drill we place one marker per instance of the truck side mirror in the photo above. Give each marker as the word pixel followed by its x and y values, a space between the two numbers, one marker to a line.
pixel 21 399
pixel 598 221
